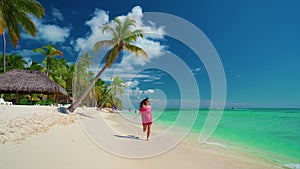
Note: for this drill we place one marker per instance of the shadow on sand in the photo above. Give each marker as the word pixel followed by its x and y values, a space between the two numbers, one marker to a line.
pixel 129 137
pixel 85 115
pixel 62 110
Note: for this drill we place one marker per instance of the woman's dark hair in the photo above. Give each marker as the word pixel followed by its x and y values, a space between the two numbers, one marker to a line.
pixel 143 102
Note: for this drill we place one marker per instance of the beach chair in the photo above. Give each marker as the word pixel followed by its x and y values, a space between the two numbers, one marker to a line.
pixel 2 102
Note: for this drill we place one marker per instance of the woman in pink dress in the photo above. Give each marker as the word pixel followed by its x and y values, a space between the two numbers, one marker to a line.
pixel 146 113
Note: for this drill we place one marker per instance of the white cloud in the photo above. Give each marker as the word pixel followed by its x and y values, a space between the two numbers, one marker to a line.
pixel 57 14
pixel 197 69
pixel 149 91
pixel 138 90
pixel 124 75
pixel 127 74
pixel 132 83
pixel 67 49
pixel 152 48
pixel 79 43
pixel 53 33
pixel 138 93
pixel 158 83
pixel 127 68
pixel 148 30
pixel 136 11
pixel 155 78
pixel 49 32
pixel 100 17
pixel 26 53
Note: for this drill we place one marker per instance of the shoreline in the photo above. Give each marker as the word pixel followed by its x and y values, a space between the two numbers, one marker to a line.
pixel 191 142
pixel 260 151
pixel 68 146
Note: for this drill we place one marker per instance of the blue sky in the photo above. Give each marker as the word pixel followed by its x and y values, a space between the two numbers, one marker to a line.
pixel 257 41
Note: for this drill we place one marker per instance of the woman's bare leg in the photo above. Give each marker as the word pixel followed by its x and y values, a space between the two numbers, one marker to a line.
pixel 144 128
pixel 148 131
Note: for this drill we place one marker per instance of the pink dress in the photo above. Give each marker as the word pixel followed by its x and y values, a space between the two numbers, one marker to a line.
pixel 146 115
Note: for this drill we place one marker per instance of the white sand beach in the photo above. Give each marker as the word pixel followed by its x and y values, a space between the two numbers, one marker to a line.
pixel 34 137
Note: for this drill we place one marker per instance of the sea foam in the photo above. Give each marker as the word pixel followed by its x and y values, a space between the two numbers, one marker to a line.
pixel 293 166
pixel 216 144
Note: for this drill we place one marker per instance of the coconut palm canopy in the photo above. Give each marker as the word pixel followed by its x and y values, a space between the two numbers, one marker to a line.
pixel 29 81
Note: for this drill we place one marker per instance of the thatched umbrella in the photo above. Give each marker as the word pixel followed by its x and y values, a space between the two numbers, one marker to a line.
pixel 29 81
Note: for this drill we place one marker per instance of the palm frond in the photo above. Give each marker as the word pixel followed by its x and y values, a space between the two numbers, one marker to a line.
pixel 32 7
pixel 39 50
pixel 106 27
pixel 2 21
pixel 128 22
pixel 119 26
pixel 15 13
pixel 51 49
pixel 125 30
pixel 132 36
pixel 136 50
pixel 112 56
pixel 27 23
pixel 98 45
pixel 57 52
pixel 138 33
pixel 14 32
pixel 2 25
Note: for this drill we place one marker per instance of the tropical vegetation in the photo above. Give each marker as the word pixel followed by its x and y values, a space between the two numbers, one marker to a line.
pixel 62 73
pixel 49 51
pixel 13 15
pixel 16 15
pixel 122 38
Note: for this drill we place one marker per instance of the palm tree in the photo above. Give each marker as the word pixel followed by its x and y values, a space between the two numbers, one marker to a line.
pixel 15 13
pixel 48 51
pixel 116 86
pixel 35 66
pixel 69 78
pixel 122 37
pixel 101 91
pixel 81 76
pixel 58 71
pixel 14 61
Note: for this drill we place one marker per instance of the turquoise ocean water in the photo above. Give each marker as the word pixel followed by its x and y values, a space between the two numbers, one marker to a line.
pixel 273 134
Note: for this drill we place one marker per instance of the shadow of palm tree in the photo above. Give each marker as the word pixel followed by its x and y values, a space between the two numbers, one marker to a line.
pixel 62 110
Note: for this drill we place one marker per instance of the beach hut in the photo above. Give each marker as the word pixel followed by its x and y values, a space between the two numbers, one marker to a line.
pixel 30 81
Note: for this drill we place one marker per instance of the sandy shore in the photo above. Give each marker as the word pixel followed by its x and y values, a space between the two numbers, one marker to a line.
pixel 19 122
pixel 40 137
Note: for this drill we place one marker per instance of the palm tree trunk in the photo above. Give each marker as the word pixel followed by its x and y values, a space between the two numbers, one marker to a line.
pixel 4 48
pixel 76 103
pixel 47 71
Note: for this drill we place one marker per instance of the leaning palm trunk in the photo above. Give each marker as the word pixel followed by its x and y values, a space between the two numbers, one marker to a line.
pixel 4 48
pixel 122 36
pixel 76 103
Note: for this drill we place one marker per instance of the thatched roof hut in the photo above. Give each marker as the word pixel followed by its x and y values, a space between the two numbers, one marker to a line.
pixel 29 81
